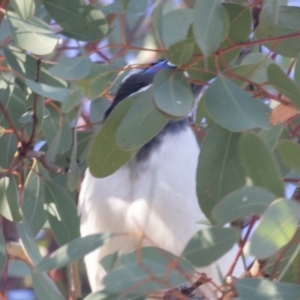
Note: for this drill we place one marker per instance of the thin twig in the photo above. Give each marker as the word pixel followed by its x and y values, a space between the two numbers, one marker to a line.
pixel 11 169
pixel 9 121
pixel 41 156
pixel 34 109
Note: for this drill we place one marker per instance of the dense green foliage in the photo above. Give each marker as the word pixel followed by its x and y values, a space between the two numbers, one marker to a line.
pixel 57 55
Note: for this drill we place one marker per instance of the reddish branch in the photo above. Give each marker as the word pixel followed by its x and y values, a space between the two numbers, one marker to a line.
pixel 240 251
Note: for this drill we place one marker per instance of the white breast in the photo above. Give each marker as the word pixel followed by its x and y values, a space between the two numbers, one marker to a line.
pixel 156 198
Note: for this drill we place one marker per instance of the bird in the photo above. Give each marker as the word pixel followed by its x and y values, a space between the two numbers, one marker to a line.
pixel 154 193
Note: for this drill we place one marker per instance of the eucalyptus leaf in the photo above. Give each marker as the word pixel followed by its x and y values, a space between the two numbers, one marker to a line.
pixel 24 8
pixel 210 25
pixel 275 229
pixel 61 213
pixel 219 169
pixel 289 152
pixel 172 93
pixel 281 82
pixel 105 155
pixel 79 20
pixel 9 199
pixel 72 251
pixel 97 112
pixel 97 81
pixel 28 242
pixel 48 91
pixel 264 289
pixel 13 99
pixel 242 203
pixel 44 287
pixel 233 108
pixel 33 200
pixel 72 68
pixel 32 35
pixel 25 65
pixel 272 135
pixel 297 69
pixel 8 146
pixel 276 22
pixel 3 255
pixel 175 26
pixel 138 274
pixel 140 124
pixel 181 52
pixel 240 21
pixel 209 244
pixel 260 164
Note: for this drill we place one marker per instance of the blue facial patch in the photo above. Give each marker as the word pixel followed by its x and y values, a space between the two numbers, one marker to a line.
pixel 162 65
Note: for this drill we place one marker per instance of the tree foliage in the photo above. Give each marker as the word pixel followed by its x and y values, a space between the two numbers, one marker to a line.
pixel 61 57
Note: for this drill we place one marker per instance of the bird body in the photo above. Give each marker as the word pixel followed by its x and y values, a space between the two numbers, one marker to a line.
pixel 150 201
pixel 155 198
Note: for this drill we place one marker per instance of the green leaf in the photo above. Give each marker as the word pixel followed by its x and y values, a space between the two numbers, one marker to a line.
pixel 25 65
pixel 3 256
pixel 219 170
pixel 146 276
pixel 105 155
pixel 97 81
pixel 9 205
pixel 33 200
pixel 61 213
pixel 31 35
pixel 73 99
pixel 157 19
pixel 24 8
pixel 172 93
pixel 44 287
pixel 54 127
pixel 8 146
pixel 290 153
pixel 285 255
pixel 97 112
pixel 155 256
pixel 175 26
pixel 271 136
pixel 13 99
pixel 297 70
pixel 242 203
pixel 277 22
pixel 108 262
pixel 264 289
pixel 181 52
pixel 210 24
pixel 102 295
pixel 53 147
pixel 140 124
pixel 79 20
pixel 262 62
pixel 240 25
pixel 275 229
pixel 209 244
pixel 233 108
pixel 27 239
pixel 106 295
pixel 260 164
pixel 281 82
pixel 48 91
pixel 72 251
pixel 72 68
pixel 253 67
pixel 74 170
